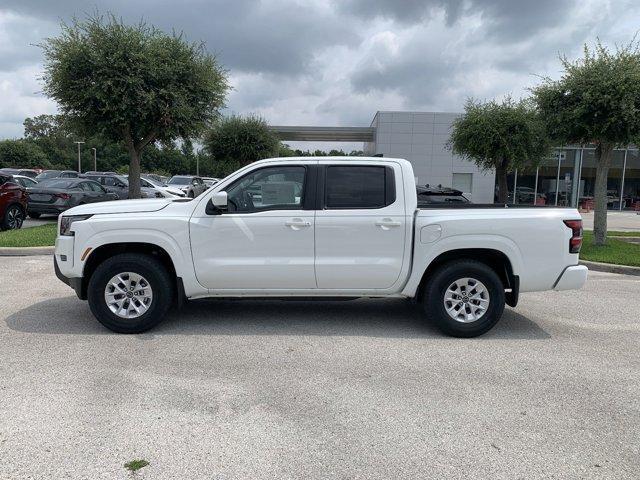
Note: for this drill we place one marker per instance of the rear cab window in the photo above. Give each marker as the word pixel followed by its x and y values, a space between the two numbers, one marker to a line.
pixel 359 187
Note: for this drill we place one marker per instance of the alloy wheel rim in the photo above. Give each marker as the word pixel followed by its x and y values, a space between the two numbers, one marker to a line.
pixel 128 295
pixel 466 300
pixel 14 218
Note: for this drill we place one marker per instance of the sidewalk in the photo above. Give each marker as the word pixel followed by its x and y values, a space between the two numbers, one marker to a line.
pixel 616 221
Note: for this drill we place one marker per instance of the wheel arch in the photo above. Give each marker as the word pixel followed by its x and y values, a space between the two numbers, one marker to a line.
pixel 495 259
pixel 105 251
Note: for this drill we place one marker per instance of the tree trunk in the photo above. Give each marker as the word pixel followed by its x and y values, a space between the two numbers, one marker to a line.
pixel 134 173
pixel 503 189
pixel 604 154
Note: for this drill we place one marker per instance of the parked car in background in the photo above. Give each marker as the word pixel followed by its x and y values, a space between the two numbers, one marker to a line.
pixel 175 191
pixel 59 194
pixel 26 182
pixel 159 190
pixel 210 181
pixel 119 184
pixel 439 194
pixel 525 195
pixel 26 172
pixel 190 185
pixel 48 174
pixel 160 179
pixel 13 203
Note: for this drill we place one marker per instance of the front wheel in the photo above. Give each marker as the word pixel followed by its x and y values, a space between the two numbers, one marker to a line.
pixel 464 298
pixel 130 293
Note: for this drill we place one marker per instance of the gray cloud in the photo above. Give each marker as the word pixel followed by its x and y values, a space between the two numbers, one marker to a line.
pixel 506 18
pixel 314 62
pixel 247 35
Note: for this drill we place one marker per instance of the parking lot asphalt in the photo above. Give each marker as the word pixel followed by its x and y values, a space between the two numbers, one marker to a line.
pixel 283 389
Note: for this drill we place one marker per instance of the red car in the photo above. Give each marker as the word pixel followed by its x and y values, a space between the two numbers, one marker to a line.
pixel 13 203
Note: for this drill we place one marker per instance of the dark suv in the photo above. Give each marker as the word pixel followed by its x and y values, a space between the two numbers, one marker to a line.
pixel 13 203
pixel 428 195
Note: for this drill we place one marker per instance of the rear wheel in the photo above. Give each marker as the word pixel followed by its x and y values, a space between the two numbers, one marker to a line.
pixel 13 218
pixel 464 298
pixel 130 293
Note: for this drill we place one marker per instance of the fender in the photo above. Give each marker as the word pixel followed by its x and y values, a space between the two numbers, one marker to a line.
pixel 424 254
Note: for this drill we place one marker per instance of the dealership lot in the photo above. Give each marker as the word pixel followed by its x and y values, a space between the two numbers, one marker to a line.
pixel 360 389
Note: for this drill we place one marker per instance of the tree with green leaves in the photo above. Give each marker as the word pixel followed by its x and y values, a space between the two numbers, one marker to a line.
pixel 236 141
pixel 596 101
pixel 132 84
pixel 22 153
pixel 504 136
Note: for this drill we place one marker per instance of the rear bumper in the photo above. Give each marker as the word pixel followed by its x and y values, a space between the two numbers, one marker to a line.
pixel 75 283
pixel 40 208
pixel 573 278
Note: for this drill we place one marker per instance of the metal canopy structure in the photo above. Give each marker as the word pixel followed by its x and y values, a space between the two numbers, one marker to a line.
pixel 325 134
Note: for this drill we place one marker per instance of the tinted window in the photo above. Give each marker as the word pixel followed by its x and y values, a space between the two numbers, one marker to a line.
pixel 85 186
pixel 57 183
pixel 359 187
pixel 180 181
pixel 95 187
pixel 270 188
pixel 108 181
pixel 48 174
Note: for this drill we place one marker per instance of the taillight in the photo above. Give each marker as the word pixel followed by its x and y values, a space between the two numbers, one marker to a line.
pixel 576 238
pixel 64 196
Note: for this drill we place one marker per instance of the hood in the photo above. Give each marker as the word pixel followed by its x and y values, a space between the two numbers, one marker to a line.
pixel 174 191
pixel 120 206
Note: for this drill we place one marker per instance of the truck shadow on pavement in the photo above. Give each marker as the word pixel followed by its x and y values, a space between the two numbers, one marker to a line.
pixel 386 318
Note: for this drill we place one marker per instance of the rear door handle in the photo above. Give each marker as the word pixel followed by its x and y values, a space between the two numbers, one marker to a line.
pixel 387 223
pixel 297 223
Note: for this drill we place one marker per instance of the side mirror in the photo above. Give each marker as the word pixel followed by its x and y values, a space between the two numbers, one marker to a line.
pixel 217 204
pixel 220 200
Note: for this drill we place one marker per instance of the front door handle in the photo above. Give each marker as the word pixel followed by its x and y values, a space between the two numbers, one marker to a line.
pixel 387 223
pixel 297 223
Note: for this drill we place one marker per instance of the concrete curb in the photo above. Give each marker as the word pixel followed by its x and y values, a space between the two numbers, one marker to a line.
pixel 25 251
pixel 610 268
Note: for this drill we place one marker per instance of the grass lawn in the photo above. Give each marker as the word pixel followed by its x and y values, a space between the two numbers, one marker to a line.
pixel 615 251
pixel 40 236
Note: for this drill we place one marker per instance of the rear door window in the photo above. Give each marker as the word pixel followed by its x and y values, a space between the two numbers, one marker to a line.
pixel 357 187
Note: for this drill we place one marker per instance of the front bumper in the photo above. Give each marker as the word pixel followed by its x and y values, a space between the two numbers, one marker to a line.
pixel 573 278
pixel 73 282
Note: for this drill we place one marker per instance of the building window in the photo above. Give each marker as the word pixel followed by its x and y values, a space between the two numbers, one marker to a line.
pixel 462 182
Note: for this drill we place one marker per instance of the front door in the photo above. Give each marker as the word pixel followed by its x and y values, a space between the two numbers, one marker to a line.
pixel 265 240
pixel 361 229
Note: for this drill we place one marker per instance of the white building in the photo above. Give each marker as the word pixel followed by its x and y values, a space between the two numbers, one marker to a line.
pixel 421 138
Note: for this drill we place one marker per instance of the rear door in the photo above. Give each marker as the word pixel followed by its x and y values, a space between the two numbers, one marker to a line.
pixel 360 228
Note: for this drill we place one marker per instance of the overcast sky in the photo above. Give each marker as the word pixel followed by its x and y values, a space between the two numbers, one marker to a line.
pixel 314 62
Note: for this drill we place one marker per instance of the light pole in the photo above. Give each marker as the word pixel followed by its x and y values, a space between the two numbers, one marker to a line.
pixel 79 162
pixel 95 162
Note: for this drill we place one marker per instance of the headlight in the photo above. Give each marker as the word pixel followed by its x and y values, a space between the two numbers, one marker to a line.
pixel 67 221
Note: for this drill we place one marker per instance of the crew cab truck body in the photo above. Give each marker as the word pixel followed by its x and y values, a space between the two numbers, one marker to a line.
pixel 315 227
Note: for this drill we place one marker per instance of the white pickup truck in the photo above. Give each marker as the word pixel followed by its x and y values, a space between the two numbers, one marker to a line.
pixel 315 227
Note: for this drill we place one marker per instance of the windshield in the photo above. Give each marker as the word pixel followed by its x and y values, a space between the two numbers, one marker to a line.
pixel 180 180
pixel 57 183
pixel 48 174
pixel 153 182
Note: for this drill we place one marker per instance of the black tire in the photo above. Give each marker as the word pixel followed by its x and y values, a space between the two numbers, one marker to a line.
pixel 148 267
pixel 34 215
pixel 444 277
pixel 13 218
